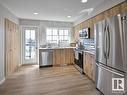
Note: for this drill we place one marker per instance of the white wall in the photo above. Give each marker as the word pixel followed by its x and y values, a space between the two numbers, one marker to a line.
pixel 4 13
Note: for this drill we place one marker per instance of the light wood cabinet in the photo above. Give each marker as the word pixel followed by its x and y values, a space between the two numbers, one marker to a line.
pixel 114 11
pixel 63 56
pixel 124 7
pixel 12 47
pixel 89 65
pixel 56 56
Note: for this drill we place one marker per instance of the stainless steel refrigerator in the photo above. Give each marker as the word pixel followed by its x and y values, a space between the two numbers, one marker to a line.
pixel 111 55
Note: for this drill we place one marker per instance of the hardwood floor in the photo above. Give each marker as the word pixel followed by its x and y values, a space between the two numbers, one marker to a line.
pixel 30 80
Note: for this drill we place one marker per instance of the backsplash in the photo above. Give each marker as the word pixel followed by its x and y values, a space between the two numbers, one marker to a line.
pixel 89 44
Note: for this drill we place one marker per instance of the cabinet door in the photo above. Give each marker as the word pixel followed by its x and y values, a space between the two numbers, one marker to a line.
pixel 84 62
pixel 99 17
pixel 56 57
pixel 67 56
pixel 124 7
pixel 62 57
pixel 12 44
pixel 17 46
pixel 115 10
pixel 71 56
pixel 8 47
pixel 9 38
pixel 93 67
pixel 87 63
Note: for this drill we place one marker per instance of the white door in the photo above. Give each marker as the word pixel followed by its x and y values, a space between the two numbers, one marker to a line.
pixel 30 43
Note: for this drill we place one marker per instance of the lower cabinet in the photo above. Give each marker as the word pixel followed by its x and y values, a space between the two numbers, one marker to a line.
pixel 63 56
pixel 89 65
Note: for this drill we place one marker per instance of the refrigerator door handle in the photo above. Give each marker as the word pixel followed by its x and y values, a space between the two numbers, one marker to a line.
pixel 104 46
pixel 108 52
pixel 103 67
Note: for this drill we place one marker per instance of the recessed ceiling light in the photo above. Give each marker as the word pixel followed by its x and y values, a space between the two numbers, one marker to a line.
pixel 35 13
pixel 69 16
pixel 84 1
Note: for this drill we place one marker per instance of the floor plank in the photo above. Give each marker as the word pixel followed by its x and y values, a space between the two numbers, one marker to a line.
pixel 30 80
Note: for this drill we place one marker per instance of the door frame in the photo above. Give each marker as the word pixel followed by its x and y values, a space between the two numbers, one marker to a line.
pixel 23 27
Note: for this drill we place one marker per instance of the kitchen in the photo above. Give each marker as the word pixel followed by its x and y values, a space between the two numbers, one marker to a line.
pixel 53 51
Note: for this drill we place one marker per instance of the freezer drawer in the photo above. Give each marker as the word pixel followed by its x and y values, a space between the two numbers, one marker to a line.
pixel 104 77
pixel 45 58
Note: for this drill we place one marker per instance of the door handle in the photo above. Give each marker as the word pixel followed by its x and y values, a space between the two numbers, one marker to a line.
pixel 108 52
pixel 104 42
pixel 105 68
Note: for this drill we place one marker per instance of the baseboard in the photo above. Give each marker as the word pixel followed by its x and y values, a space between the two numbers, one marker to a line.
pixel 2 81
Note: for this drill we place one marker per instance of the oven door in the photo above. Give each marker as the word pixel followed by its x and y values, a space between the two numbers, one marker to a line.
pixel 79 58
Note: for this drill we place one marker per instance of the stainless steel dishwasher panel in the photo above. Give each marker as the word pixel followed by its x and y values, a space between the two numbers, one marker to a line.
pixel 45 58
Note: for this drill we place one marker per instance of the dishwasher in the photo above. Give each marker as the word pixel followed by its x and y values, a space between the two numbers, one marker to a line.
pixel 45 57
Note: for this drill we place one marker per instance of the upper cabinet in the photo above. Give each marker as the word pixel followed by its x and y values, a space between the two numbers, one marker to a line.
pixel 123 7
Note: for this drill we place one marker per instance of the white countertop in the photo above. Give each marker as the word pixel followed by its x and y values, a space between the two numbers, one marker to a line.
pixel 88 51
pixel 58 48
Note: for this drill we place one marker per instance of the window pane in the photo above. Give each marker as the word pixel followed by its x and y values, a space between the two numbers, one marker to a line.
pixel 27 53
pixel 61 32
pixel 55 35
pixel 60 37
pixel 65 32
pixel 27 36
pixel 49 32
pixel 53 41
pixel 49 37
pixel 55 38
pixel 33 52
pixel 33 34
pixel 30 44
pixel 65 37
pixel 55 32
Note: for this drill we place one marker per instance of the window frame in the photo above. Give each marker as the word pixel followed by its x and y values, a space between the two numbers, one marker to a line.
pixel 58 34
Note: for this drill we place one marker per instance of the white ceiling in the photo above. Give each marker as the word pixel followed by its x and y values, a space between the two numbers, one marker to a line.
pixel 57 10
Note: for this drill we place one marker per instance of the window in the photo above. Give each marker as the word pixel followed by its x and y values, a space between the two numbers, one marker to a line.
pixel 30 44
pixel 57 35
